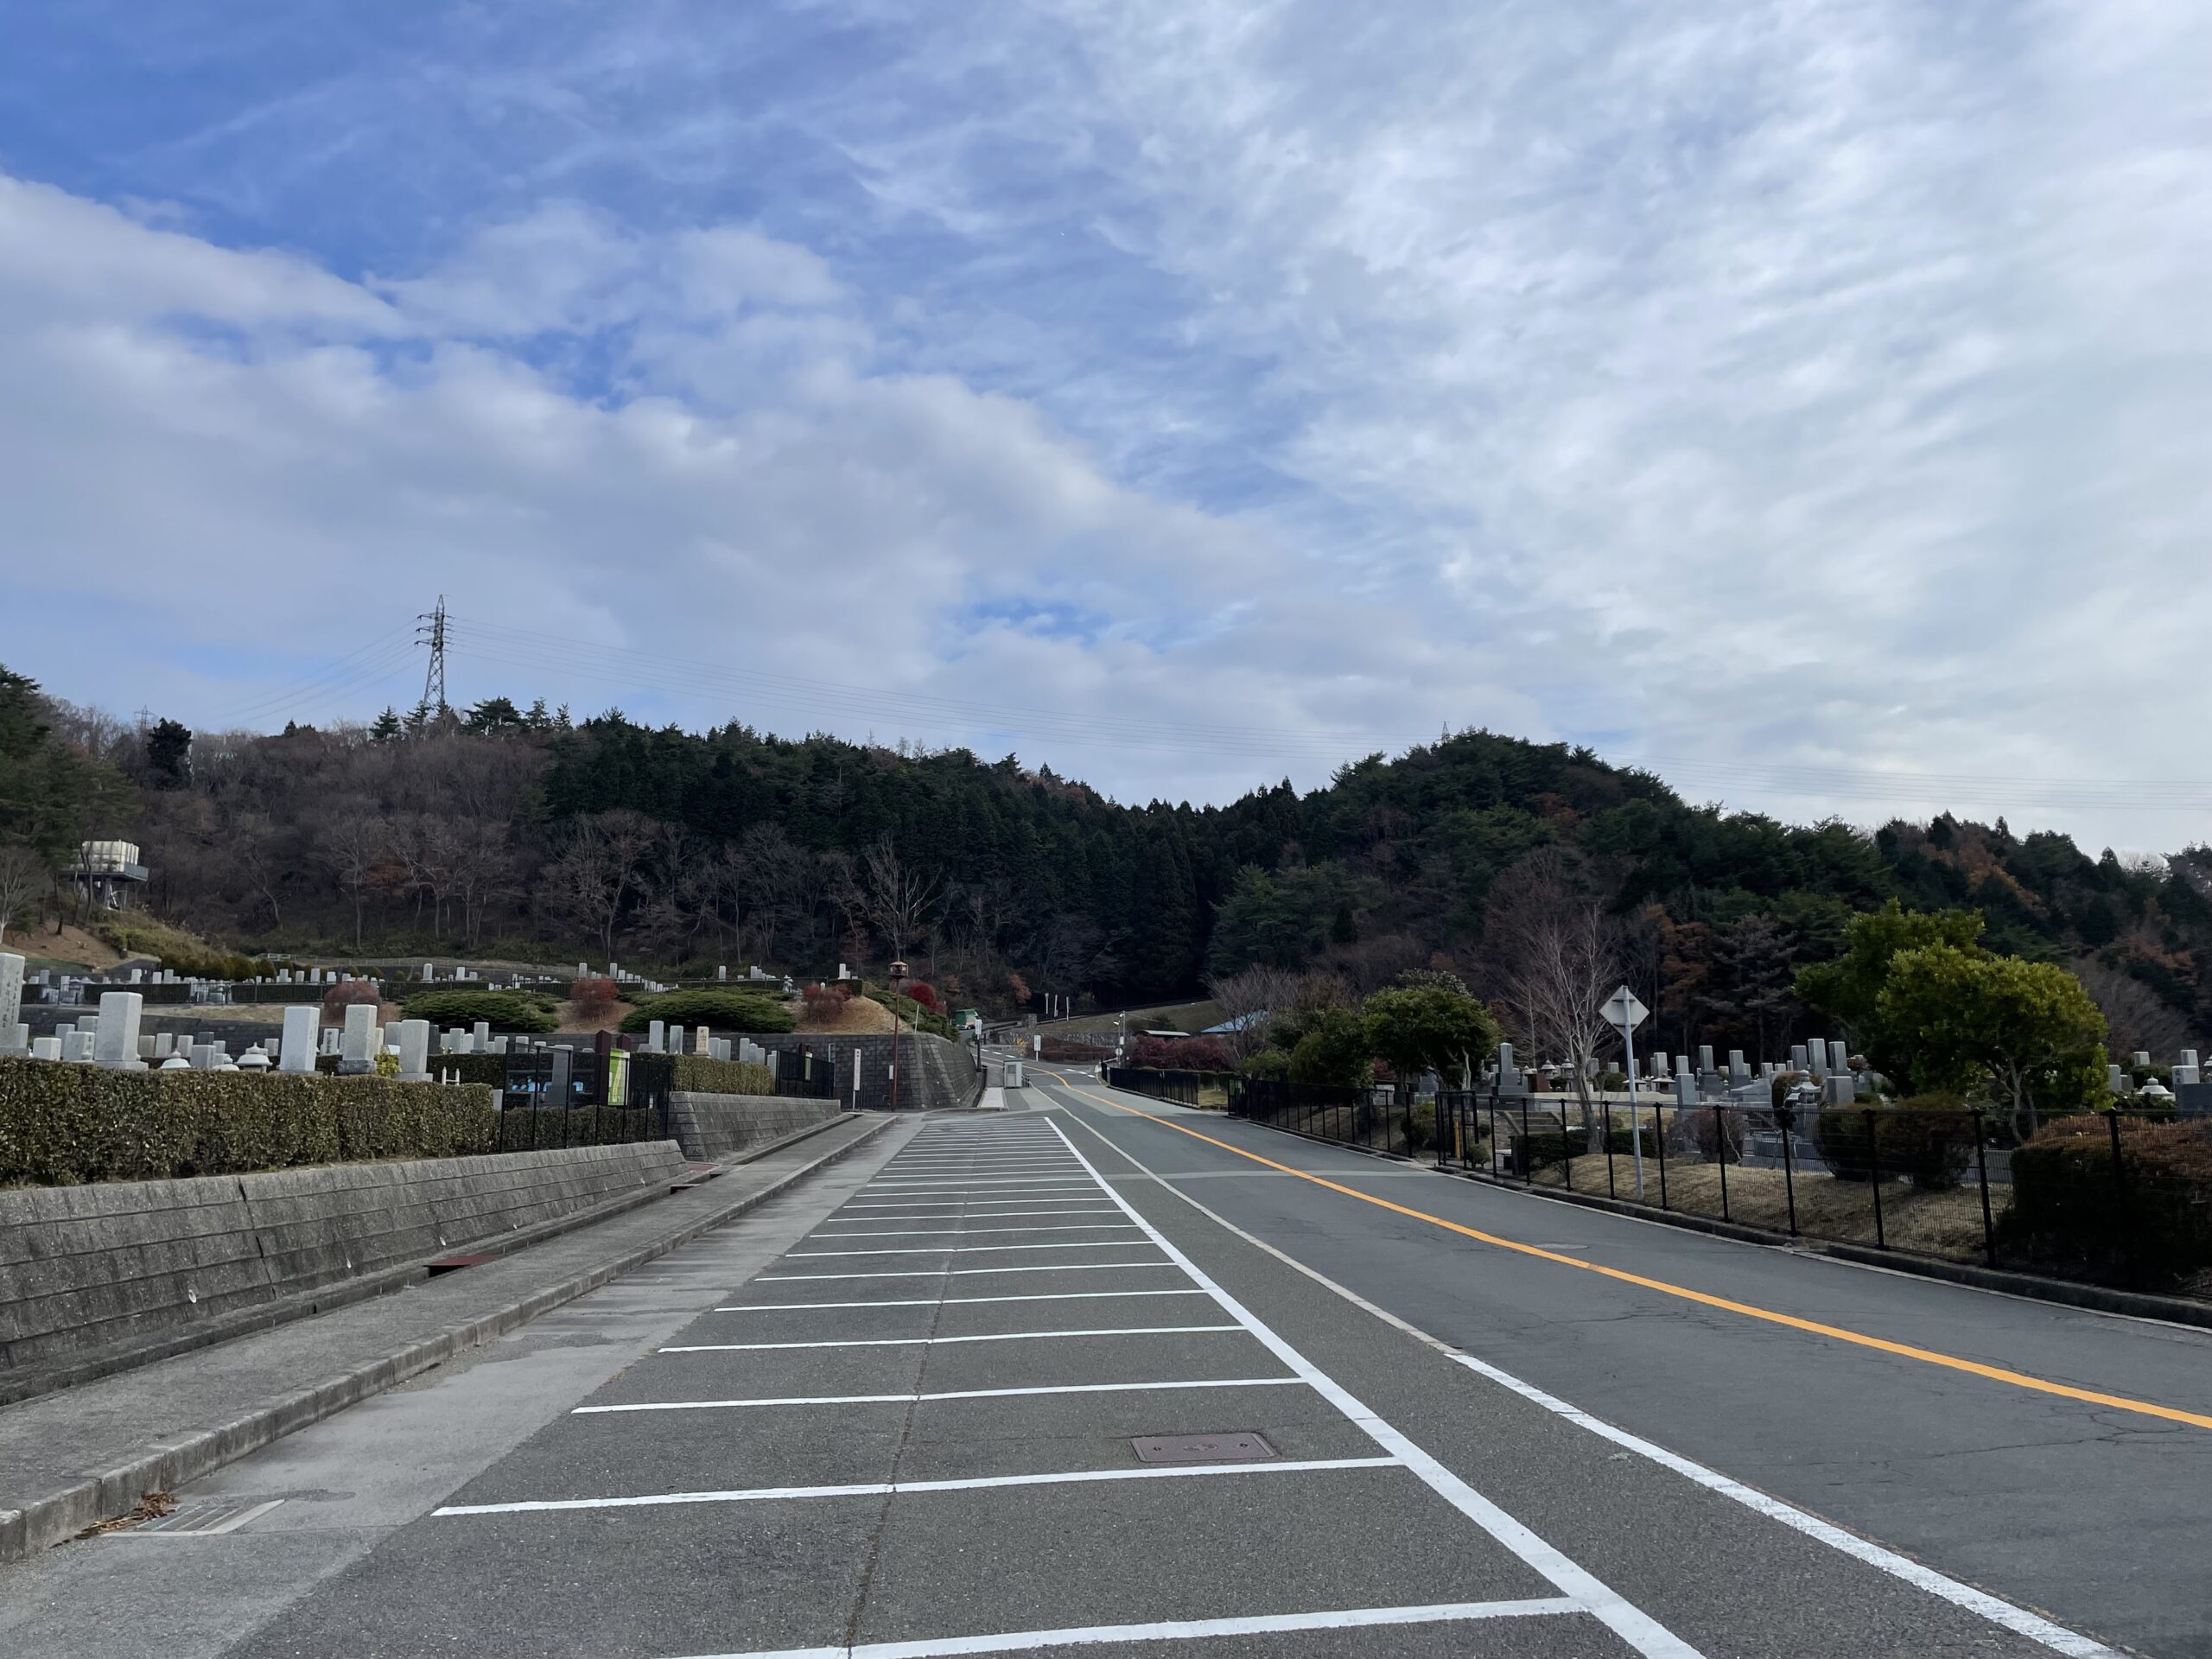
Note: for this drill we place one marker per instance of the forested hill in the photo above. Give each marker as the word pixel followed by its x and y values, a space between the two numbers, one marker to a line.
pixel 507 832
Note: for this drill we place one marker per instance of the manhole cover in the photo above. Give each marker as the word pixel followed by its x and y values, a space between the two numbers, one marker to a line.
pixel 1240 1446
pixel 205 1517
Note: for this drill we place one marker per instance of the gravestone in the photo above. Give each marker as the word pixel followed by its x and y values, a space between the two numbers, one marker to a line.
pixel 2142 1060
pixel 45 1048
pixel 1685 1083
pixel 1798 1056
pixel 1839 1058
pixel 1738 1071
pixel 655 1032
pixel 721 974
pixel 2118 1081
pixel 676 1039
pixel 164 1045
pixel 11 1000
pixel 414 1049
pixel 2187 1071
pixel 302 1020
pixel 1842 1089
pixel 203 1057
pixel 1704 1059
pixel 482 1032
pixel 118 1035
pixel 361 1042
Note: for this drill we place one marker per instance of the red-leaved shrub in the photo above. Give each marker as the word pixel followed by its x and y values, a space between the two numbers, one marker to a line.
pixel 595 996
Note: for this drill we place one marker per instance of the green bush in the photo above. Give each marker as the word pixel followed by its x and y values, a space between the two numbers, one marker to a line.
pixel 1267 1063
pixel 2071 1210
pixel 694 1073
pixel 728 1011
pixel 1927 1139
pixel 914 1015
pixel 1544 1148
pixel 522 1011
pixel 60 1125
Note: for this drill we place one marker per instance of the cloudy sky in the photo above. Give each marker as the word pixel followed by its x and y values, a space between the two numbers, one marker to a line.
pixel 1811 399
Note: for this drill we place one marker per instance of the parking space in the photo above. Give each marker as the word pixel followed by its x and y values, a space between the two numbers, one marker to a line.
pixel 997 1410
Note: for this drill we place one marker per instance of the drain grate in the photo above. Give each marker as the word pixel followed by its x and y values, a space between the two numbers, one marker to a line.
pixel 206 1517
pixel 1238 1446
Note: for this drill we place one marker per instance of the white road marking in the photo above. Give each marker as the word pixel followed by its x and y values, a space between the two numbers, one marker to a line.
pixel 2016 1619
pixel 969 1232
pixel 890 1488
pixel 958 1301
pixel 960 1273
pixel 2004 1614
pixel 948 1393
pixel 966 1250
pixel 924 1342
pixel 959 1212
pixel 1176 1630
pixel 1633 1625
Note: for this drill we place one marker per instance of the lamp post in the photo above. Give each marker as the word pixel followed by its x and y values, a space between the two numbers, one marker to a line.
pixel 898 990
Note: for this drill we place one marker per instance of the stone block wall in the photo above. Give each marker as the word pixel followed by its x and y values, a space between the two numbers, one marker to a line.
pixel 711 1127
pixel 120 1266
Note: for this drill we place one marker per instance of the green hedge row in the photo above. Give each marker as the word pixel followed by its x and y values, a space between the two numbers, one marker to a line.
pixel 725 1011
pixel 504 1011
pixel 2072 1211
pixel 60 1125
pixel 694 1073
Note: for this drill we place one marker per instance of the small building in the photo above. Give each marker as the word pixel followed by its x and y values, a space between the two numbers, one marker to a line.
pixel 108 873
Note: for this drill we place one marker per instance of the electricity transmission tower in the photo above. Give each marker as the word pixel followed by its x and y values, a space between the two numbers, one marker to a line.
pixel 433 634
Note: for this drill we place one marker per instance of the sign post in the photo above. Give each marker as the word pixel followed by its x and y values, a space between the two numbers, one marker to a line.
pixel 1623 1011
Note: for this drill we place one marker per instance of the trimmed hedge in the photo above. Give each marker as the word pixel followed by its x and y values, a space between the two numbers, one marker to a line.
pixel 1927 1139
pixel 62 1125
pixel 696 1074
pixel 2070 1212
pixel 523 1012
pixel 729 1011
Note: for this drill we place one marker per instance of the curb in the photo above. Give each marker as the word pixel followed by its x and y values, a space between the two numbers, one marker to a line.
pixel 57 1515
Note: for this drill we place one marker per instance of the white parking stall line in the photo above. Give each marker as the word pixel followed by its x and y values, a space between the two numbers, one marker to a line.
pixel 964 1249
pixel 2016 1619
pixel 939 1183
pixel 958 1301
pixel 1177 1630
pixel 1630 1623
pixel 955 1212
pixel 961 1272
pixel 896 1488
pixel 932 1341
pixel 950 1393
pixel 969 1232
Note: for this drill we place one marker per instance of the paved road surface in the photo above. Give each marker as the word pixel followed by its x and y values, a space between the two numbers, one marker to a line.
pixel 896 1416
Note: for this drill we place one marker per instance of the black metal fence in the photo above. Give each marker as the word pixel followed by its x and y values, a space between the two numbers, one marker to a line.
pixel 575 1097
pixel 2122 1198
pixel 802 1074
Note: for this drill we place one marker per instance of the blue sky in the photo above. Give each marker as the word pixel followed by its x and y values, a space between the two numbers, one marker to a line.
pixel 1811 398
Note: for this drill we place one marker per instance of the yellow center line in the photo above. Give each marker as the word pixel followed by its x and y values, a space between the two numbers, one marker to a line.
pixel 1926 1355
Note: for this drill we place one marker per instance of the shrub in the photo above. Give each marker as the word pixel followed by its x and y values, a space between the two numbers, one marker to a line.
pixel 64 1124
pixel 1927 1139
pixel 695 1073
pixel 925 994
pixel 347 993
pixel 1267 1063
pixel 1542 1149
pixel 1716 1133
pixel 913 1014
pixel 1182 1053
pixel 746 1012
pixel 825 1001
pixel 594 997
pixel 505 1011
pixel 2069 1209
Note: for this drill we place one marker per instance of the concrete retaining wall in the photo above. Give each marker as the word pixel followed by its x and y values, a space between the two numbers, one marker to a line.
pixel 86 1271
pixel 715 1126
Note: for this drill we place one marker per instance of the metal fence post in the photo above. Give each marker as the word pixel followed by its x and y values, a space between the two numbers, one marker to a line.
pixel 1721 1151
pixel 1874 1170
pixel 1609 1151
pixel 1982 1169
pixel 2121 1224
pixel 1659 1132
pixel 1528 1169
pixel 1567 1145
pixel 1788 1119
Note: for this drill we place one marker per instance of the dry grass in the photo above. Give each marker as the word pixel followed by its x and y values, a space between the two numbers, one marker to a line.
pixel 857 1018
pixel 1944 1222
pixel 572 1019
pixel 152 1507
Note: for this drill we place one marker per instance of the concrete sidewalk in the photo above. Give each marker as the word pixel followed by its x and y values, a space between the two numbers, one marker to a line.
pixel 86 1454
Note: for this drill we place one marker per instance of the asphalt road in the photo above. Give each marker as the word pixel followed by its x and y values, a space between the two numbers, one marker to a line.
pixel 908 1412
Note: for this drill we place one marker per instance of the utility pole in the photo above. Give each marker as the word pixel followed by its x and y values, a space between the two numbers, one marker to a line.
pixel 433 634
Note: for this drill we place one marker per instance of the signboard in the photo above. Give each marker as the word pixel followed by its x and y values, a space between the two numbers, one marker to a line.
pixel 1623 1011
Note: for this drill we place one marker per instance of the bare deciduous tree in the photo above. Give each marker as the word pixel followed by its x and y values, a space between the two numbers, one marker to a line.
pixel 1249 999
pixel 349 840
pixel 23 876
pixel 593 880
pixel 898 897
pixel 1553 955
